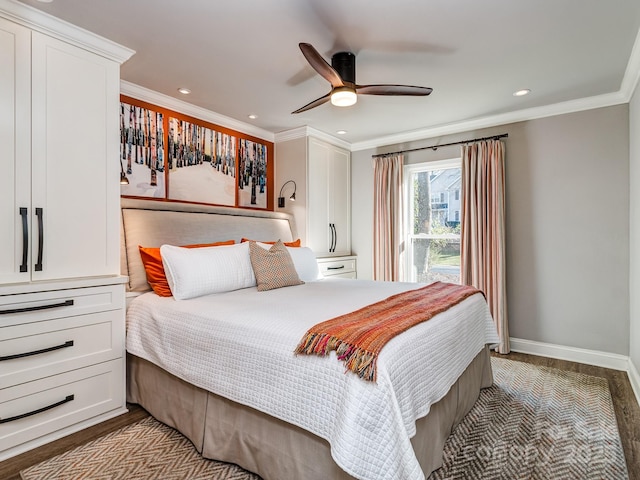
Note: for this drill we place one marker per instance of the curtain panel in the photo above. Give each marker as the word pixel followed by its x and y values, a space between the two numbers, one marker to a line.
pixel 482 238
pixel 388 217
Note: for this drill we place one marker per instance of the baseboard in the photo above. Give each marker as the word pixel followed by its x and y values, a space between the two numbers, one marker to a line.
pixel 634 378
pixel 572 354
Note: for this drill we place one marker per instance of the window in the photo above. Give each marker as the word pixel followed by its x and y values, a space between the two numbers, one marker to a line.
pixel 432 222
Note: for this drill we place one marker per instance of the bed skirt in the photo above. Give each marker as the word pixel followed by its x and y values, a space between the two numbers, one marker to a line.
pixel 224 430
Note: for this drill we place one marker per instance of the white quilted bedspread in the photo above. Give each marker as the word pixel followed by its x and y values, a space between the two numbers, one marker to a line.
pixel 240 345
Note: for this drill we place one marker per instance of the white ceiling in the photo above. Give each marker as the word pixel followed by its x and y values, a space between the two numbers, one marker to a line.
pixel 241 57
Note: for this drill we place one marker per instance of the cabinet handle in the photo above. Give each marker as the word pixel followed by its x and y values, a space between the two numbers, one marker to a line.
pixel 25 239
pixel 333 237
pixel 336 268
pixel 66 303
pixel 68 343
pixel 39 214
pixel 68 398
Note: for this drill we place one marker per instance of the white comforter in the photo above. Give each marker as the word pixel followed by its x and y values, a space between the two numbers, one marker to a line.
pixel 240 345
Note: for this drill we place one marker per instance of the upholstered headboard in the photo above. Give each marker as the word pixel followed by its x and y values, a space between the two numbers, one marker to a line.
pixel 151 224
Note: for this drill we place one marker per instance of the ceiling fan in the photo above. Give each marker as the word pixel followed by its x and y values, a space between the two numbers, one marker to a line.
pixel 342 76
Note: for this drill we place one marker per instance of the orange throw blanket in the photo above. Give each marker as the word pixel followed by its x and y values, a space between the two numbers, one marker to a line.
pixel 358 337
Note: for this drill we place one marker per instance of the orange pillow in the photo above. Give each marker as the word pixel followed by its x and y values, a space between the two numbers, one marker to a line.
pixel 295 243
pixel 152 261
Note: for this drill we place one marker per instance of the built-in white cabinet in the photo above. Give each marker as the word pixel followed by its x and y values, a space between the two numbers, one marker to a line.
pixel 62 359
pixel 329 198
pixel 15 152
pixel 321 171
pixel 62 301
pixel 59 194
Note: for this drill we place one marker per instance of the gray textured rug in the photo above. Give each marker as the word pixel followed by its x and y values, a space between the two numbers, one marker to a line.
pixel 534 423
pixel 537 423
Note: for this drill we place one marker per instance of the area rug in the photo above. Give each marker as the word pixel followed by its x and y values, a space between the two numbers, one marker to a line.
pixel 534 423
pixel 537 423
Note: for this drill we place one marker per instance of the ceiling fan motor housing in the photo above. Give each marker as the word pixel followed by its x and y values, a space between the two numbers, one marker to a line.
pixel 345 64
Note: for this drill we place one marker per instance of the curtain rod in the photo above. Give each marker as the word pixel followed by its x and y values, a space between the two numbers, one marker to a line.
pixel 435 147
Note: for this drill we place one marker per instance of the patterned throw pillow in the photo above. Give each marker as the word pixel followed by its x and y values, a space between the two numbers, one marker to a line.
pixel 273 268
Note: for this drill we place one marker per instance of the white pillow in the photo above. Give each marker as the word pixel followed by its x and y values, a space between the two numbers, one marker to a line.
pixel 193 272
pixel 304 260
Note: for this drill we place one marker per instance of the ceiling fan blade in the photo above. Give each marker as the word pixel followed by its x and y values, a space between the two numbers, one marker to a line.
pixel 315 103
pixel 393 90
pixel 320 65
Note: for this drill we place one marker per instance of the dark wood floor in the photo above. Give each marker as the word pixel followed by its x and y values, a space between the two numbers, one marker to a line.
pixel 624 402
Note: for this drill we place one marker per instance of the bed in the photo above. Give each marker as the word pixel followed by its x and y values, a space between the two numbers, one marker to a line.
pixel 227 378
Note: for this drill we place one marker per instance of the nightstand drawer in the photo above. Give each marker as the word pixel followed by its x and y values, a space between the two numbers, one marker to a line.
pixel 34 350
pixel 36 307
pixel 336 266
pixel 34 409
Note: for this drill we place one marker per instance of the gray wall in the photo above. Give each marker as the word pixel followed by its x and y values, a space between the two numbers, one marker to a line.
pixel 634 218
pixel 567 197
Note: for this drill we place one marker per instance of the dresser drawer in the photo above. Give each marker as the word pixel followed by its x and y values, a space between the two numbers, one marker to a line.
pixel 34 350
pixel 35 409
pixel 337 266
pixel 36 307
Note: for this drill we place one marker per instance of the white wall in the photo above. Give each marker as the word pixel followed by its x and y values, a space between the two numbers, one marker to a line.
pixel 634 227
pixel 567 198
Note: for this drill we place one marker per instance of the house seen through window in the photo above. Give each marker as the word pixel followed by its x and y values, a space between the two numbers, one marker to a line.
pixel 433 205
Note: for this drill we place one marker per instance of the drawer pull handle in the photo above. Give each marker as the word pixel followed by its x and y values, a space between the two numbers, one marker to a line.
pixel 69 398
pixel 66 303
pixel 25 239
pixel 68 343
pixel 336 268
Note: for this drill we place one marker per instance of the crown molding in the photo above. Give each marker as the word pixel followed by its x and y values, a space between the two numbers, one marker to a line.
pixel 561 108
pixel 54 27
pixel 141 93
pixel 632 73
pixel 293 134
pixel 306 131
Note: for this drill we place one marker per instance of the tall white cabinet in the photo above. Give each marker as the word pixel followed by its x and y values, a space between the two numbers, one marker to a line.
pixel 329 198
pixel 61 296
pixel 322 172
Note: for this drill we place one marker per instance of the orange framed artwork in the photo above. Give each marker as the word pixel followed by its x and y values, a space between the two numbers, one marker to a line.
pixel 165 155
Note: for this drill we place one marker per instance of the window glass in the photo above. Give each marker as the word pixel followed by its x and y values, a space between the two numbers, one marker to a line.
pixel 433 221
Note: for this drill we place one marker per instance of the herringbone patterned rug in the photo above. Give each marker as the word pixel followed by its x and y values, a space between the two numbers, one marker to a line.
pixel 535 423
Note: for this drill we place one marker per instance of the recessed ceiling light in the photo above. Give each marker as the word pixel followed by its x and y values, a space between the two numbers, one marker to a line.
pixel 341 132
pixel 184 91
pixel 45 1
pixel 253 116
pixel 520 93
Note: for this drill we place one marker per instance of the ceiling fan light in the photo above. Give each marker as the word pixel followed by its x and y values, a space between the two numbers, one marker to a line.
pixel 343 97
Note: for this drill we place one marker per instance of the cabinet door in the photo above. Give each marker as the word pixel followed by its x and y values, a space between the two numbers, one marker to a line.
pixel 340 200
pixel 318 231
pixel 15 153
pixel 75 100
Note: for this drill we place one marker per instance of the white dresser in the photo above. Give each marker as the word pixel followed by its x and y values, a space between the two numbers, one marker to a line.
pixel 61 360
pixel 61 297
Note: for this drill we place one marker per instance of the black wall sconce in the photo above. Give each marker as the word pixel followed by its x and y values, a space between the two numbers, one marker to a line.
pixel 292 197
pixel 123 178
